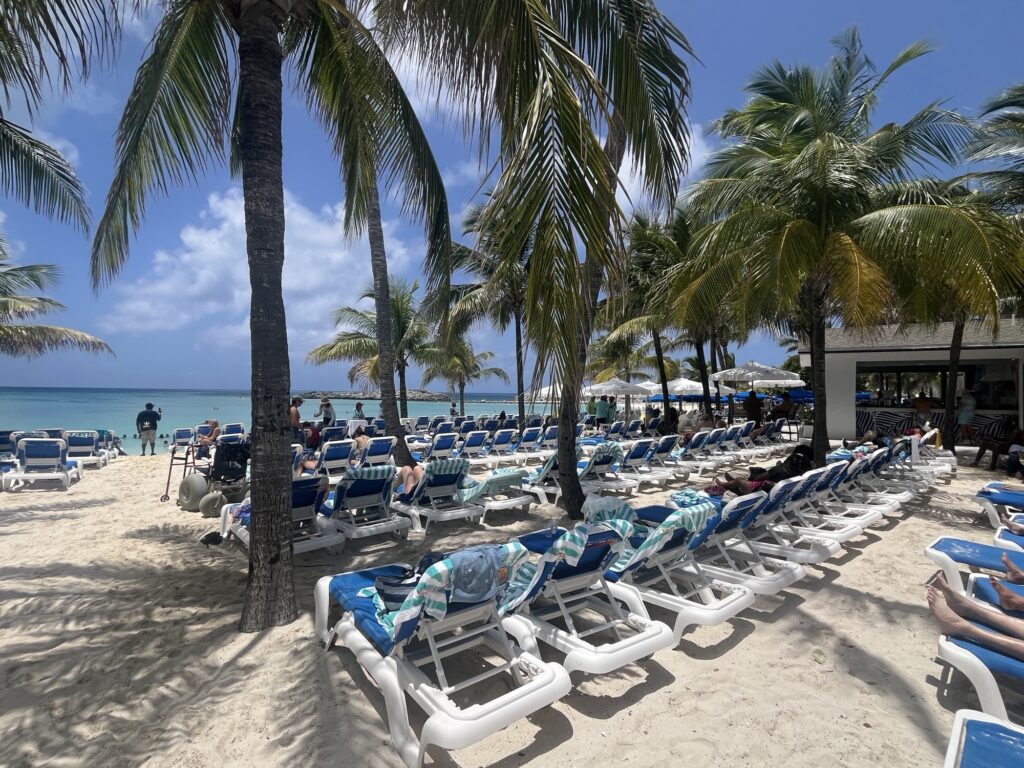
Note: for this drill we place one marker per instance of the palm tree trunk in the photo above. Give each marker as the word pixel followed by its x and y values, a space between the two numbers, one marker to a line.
pixel 659 355
pixel 403 390
pixel 569 407
pixel 949 417
pixel 819 440
pixel 713 349
pixel 385 344
pixel 520 383
pixel 702 369
pixel 270 593
pixel 462 397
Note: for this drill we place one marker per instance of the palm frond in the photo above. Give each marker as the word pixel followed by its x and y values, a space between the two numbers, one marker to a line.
pixel 38 176
pixel 175 122
pixel 35 340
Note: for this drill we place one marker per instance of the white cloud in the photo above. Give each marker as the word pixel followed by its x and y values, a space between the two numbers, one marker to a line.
pixel 467 172
pixel 90 99
pixel 202 284
pixel 62 144
pixel 631 194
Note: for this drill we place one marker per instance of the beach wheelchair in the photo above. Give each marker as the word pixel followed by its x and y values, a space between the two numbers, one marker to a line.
pixel 225 480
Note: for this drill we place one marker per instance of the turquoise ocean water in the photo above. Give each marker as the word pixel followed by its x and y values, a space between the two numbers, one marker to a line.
pixel 50 407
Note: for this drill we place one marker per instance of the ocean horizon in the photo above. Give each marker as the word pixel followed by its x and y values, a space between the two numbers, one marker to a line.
pixel 115 408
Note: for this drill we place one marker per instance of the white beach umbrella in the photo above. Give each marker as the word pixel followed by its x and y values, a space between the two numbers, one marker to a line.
pixel 616 387
pixel 651 386
pixel 683 386
pixel 759 375
pixel 549 392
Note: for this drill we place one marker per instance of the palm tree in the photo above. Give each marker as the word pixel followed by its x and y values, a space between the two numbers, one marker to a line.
pixel 458 365
pixel 498 295
pixel 410 339
pixel 35 40
pixel 20 339
pixel 1001 139
pixel 798 220
pixel 969 289
pixel 42 42
pixel 212 78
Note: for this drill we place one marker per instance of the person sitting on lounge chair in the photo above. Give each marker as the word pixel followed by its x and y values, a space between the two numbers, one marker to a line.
pixel 784 410
pixel 409 477
pixel 203 451
pixel 955 614
pixel 1010 437
pixel 361 439
pixel 761 479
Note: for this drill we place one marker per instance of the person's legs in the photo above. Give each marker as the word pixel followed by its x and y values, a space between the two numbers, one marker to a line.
pixel 1016 529
pixel 1013 465
pixel 735 485
pixel 1014 575
pixel 996 453
pixel 983 445
pixel 951 623
pixel 1008 599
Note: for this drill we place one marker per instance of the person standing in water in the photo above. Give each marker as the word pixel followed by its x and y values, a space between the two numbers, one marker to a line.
pixel 145 424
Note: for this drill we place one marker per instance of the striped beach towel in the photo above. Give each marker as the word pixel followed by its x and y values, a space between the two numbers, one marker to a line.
pixel 430 595
pixel 499 480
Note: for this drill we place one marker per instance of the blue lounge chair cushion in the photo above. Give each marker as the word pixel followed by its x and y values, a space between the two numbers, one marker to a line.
pixel 991 745
pixel 540 542
pixel 345 592
pixel 994 660
pixel 984 590
pixel 997 495
pixel 977 555
pixel 1011 538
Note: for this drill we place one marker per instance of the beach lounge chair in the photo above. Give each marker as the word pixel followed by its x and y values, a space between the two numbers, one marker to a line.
pixel 568 603
pixel 378 451
pixel 84 448
pixel 651 427
pixel 440 446
pixel 445 427
pixel 949 553
pixel 234 428
pixel 422 425
pixel 615 431
pixel 598 473
pixel 1000 499
pixel 636 464
pixel 473 445
pixel 335 459
pixel 528 445
pixel 662 457
pixel 308 533
pixel 435 497
pixel 360 505
pixel 333 434
pixel 543 481
pixel 658 565
pixel 501 451
pixel 634 430
pixel 771 533
pixel 500 491
pixel 979 740
pixel 41 459
pixel 404 651
pixel 726 555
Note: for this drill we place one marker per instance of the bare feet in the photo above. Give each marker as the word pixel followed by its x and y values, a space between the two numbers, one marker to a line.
pixel 949 623
pixel 960 604
pixel 1008 599
pixel 1014 574
pixel 1015 528
pixel 728 477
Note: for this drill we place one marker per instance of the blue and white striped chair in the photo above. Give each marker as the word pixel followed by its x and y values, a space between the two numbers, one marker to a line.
pixel 41 459
pixel 435 498
pixel 360 506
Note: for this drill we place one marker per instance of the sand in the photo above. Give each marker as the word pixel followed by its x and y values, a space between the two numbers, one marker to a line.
pixel 118 648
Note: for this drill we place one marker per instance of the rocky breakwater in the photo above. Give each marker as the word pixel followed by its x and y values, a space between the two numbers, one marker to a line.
pixel 414 395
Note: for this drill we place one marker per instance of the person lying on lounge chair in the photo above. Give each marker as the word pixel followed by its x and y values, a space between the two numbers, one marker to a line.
pixel 954 613
pixel 761 479
pixel 869 438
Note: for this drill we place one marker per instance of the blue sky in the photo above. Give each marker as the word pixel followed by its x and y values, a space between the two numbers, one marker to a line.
pixel 177 315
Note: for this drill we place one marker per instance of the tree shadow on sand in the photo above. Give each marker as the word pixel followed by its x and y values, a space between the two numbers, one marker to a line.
pixel 114 663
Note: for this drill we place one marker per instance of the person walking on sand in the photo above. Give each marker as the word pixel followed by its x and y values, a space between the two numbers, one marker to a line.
pixel 145 425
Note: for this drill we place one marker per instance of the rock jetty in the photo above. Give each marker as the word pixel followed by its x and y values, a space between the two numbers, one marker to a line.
pixel 414 395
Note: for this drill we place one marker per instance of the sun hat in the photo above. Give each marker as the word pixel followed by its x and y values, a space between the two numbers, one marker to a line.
pixel 325 400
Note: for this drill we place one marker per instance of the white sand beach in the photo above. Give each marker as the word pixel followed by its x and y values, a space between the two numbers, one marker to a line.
pixel 118 648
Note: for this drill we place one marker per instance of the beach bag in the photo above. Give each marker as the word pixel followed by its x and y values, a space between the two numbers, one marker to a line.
pixel 393 590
